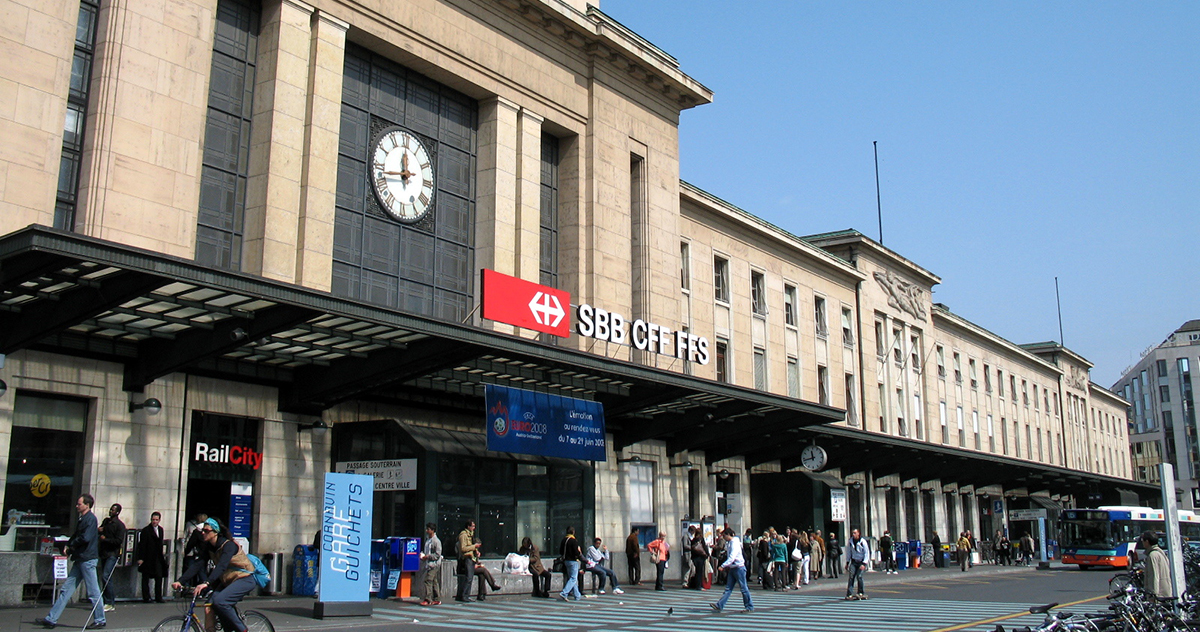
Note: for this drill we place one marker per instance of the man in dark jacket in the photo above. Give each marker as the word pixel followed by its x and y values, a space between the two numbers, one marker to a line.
pixel 633 557
pixel 151 560
pixel 85 551
pixel 112 546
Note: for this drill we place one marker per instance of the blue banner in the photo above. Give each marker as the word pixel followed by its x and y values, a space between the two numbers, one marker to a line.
pixel 525 422
pixel 346 537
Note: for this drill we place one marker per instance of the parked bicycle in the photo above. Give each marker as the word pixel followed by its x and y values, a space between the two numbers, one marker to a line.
pixel 192 622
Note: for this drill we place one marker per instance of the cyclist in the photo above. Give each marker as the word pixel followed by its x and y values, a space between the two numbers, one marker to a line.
pixel 233 574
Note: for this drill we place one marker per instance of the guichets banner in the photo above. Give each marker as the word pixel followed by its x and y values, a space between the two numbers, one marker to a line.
pixel 346 537
pixel 527 422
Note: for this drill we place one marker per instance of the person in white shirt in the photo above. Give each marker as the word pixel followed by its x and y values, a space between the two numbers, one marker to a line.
pixel 735 573
pixel 597 559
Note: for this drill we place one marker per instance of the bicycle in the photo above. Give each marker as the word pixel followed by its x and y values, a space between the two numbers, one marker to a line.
pixel 255 621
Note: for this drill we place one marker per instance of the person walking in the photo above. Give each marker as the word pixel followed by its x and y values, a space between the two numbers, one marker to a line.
pixel 833 550
pixel 1004 548
pixel 633 557
pixel 112 547
pixel 541 576
pixel 152 558
pixel 964 551
pixel 689 565
pixel 571 554
pixel 431 561
pixel 857 554
pixel 735 573
pixel 465 548
pixel 660 552
pixel 1157 580
pixel 84 546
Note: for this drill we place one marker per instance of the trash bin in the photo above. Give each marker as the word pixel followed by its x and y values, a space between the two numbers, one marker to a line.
pixel 901 556
pixel 304 571
pixel 276 564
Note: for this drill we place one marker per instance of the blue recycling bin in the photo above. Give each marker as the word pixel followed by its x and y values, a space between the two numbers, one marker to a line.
pixel 305 569
pixel 901 556
pixel 380 567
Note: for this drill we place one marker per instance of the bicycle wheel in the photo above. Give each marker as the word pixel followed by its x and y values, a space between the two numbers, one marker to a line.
pixel 177 623
pixel 927 556
pixel 257 622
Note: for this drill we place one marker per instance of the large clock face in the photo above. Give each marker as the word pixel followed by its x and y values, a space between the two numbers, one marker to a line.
pixel 813 457
pixel 402 175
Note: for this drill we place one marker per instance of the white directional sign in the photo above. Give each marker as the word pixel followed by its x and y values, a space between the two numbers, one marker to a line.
pixel 1026 514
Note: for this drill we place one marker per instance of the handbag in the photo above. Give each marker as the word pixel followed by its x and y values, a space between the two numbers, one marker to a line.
pixel 797 554
pixel 558 566
pixel 654 557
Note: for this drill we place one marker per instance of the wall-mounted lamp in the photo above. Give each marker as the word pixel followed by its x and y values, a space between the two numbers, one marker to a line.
pixel 722 474
pixel 319 427
pixel 983 495
pixel 3 388
pixel 632 459
pixel 152 406
pixel 237 334
pixel 687 464
pixel 855 484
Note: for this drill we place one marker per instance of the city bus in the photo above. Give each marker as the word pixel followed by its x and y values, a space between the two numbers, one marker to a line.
pixel 1107 536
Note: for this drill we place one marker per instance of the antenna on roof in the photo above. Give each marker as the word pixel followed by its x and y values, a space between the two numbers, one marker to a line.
pixel 878 204
pixel 1059 302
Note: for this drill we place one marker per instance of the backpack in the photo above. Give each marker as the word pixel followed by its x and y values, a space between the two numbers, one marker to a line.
pixel 261 575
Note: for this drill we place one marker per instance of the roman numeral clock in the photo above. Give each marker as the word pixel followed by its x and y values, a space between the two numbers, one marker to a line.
pixel 401 173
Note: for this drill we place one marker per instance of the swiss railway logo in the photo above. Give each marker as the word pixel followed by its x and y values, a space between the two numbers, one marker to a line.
pixel 524 304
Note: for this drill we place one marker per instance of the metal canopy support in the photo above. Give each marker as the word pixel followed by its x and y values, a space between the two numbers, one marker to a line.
pixel 50 315
pixel 315 388
pixel 157 357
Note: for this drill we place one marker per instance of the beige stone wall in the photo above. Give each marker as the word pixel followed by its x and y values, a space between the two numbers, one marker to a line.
pixel 37 42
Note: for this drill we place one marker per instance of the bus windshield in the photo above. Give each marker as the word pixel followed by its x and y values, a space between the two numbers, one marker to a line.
pixel 1095 534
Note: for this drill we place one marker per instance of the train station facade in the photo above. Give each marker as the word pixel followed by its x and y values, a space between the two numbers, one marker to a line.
pixel 272 218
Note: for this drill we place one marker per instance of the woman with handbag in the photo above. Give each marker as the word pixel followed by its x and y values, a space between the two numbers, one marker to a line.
pixel 802 554
pixel 660 552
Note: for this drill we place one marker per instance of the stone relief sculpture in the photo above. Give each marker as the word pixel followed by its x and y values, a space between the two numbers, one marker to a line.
pixel 1078 378
pixel 902 295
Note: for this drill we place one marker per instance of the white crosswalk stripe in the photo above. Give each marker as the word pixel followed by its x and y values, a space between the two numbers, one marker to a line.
pixel 774 611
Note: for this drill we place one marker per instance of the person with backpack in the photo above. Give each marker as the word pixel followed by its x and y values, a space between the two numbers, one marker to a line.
pixel 232 576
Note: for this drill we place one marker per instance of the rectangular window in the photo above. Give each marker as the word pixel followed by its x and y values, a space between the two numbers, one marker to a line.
pixel 974 376
pixel 991 435
pixel 883 409
pixel 941 362
pixel 847 327
pixel 685 266
pixel 1000 382
pixel 1016 439
pixel 851 404
pixel 958 376
pixel 987 379
pixel 1004 436
pixel 721 279
pixel 822 385
pixel 1035 397
pixel 758 294
pixel 793 377
pixel 880 342
pixel 1028 443
pixel 1161 365
pixel 897 346
pixel 962 431
pixel 1164 393
pixel 789 305
pixel 47 439
pixel 641 492
pixel 1025 392
pixel 917 415
pixel 722 360
pixel 548 264
pixel 760 369
pixel 975 427
pixel 942 419
pixel 71 159
pixel 1046 400
pixel 914 347
pixel 901 422
pixel 1012 386
pixel 822 324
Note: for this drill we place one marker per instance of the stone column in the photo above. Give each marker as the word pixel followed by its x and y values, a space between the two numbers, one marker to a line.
pixel 528 239
pixel 318 183
pixel 277 141
pixel 497 191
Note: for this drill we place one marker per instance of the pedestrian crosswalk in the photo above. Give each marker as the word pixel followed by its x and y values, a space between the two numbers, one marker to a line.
pixel 688 611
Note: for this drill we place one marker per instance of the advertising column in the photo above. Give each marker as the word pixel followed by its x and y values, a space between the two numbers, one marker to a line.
pixel 345 577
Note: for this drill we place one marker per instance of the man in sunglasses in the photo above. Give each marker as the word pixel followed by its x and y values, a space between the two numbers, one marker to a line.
pixel 231 578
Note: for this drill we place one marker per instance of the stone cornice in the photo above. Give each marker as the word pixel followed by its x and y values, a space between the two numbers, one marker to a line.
pixel 943 313
pixel 606 40
pixel 883 254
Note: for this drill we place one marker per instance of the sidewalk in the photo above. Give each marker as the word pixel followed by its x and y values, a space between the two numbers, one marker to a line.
pixel 295 613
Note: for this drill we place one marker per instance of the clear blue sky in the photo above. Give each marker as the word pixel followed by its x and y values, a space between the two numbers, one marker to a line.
pixel 1018 141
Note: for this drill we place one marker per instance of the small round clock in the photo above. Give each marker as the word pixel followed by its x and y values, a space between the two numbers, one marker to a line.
pixel 402 174
pixel 813 457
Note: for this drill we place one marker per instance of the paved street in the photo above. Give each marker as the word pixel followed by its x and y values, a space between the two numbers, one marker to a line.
pixel 925 600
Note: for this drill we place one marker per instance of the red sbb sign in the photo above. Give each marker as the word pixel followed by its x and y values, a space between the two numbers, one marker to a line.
pixel 524 304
